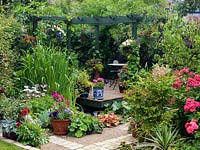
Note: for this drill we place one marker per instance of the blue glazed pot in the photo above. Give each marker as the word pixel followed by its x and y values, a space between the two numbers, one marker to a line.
pixel 98 93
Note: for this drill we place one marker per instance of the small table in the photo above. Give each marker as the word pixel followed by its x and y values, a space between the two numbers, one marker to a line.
pixel 117 69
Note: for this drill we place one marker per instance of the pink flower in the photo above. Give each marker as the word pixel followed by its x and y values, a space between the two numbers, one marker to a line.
pixel 192 82
pixel 177 84
pixel 100 79
pixel 172 100
pixel 185 70
pixel 191 105
pixel 197 77
pixel 191 126
pixel 55 95
pixel 177 72
pixel 187 88
pixel 95 81
pixel 192 74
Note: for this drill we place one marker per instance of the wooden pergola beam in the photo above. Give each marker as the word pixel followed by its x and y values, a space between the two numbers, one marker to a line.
pixel 132 19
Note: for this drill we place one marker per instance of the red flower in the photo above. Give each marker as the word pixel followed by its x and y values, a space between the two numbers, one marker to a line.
pixel 24 112
pixel 18 124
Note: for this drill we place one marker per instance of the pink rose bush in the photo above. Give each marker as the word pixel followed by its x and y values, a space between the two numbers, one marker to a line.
pixel 187 96
pixel 191 105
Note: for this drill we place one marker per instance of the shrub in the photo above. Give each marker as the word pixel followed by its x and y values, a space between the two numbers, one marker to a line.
pixel 180 44
pixel 41 104
pixel 32 134
pixel 9 30
pixel 150 99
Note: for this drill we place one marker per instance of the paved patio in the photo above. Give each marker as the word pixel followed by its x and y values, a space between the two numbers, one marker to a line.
pixel 110 139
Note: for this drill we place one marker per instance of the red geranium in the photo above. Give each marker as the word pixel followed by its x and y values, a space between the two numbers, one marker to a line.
pixel 18 124
pixel 24 112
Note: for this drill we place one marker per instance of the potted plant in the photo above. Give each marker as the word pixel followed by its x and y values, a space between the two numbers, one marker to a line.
pixel 84 85
pixel 60 114
pixel 95 67
pixel 123 75
pixel 98 88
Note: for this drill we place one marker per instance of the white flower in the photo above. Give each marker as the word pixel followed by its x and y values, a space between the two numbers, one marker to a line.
pixel 127 42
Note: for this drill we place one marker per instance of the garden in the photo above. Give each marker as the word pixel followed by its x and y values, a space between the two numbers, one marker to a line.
pixel 55 53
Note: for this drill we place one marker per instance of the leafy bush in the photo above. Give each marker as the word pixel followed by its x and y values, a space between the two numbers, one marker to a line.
pixel 41 104
pixel 180 44
pixel 82 124
pixel 9 107
pixel 32 134
pixel 9 30
pixel 150 99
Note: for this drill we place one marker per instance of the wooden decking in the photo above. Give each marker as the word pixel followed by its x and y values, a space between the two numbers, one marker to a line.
pixel 110 96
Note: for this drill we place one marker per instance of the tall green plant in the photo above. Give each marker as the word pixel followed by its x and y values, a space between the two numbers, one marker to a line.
pixel 180 44
pixel 53 67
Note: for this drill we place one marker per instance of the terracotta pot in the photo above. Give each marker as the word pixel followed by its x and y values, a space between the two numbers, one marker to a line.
pixel 60 127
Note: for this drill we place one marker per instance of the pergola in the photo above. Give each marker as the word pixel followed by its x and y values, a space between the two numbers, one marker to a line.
pixel 96 21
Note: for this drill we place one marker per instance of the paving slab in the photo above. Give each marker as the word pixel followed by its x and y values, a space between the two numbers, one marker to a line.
pixel 108 133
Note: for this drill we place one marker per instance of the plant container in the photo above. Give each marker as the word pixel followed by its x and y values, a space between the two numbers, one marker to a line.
pixel 60 127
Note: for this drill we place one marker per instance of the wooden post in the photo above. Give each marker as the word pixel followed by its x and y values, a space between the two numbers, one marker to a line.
pixel 97 36
pixel 134 30
pixel 68 37
pixel 35 24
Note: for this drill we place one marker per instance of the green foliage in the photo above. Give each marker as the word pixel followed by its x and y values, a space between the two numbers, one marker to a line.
pixel 120 108
pixel 186 6
pixel 82 124
pixel 9 108
pixel 165 138
pixel 40 104
pixel 150 98
pixel 124 146
pixel 9 30
pixel 50 66
pixel 116 7
pixel 32 134
pixel 180 44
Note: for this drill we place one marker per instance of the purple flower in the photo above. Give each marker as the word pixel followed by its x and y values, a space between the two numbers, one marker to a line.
pixel 67 110
pixel 53 114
